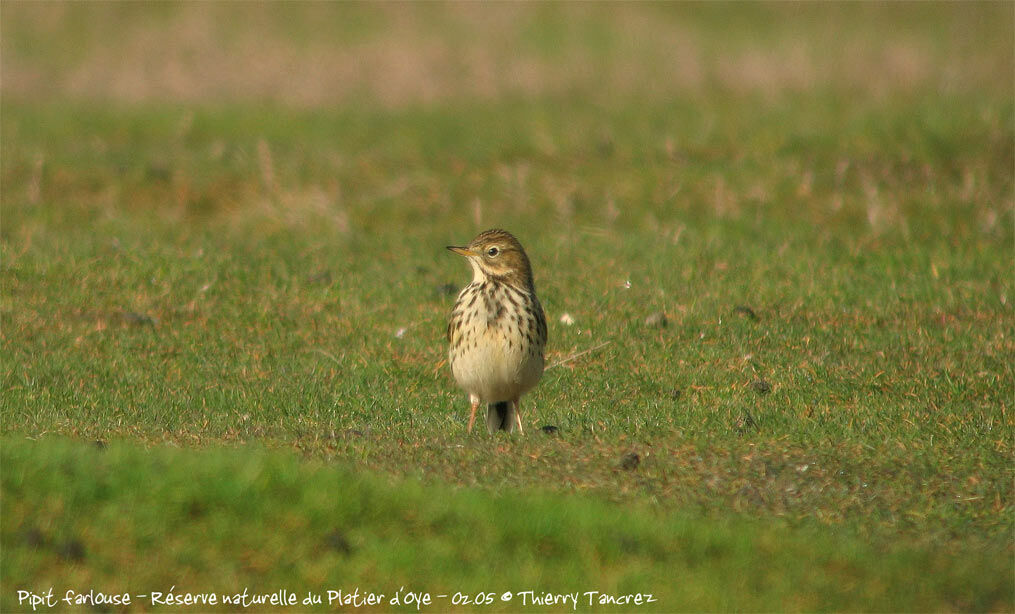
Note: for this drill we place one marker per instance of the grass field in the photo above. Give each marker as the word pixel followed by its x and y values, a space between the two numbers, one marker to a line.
pixel 224 293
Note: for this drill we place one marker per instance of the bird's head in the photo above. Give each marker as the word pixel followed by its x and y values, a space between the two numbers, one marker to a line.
pixel 497 255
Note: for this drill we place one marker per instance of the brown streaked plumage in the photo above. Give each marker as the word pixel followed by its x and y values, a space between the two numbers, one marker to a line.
pixel 497 330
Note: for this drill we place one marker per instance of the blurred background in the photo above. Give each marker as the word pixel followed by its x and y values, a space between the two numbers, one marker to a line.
pixel 398 55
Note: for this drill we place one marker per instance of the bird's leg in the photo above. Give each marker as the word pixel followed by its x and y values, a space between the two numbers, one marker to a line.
pixel 475 405
pixel 518 414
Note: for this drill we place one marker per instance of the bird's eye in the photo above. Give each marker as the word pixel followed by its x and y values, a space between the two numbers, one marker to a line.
pixel 493 251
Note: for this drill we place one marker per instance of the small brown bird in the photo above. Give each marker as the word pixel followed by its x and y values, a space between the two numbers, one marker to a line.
pixel 497 330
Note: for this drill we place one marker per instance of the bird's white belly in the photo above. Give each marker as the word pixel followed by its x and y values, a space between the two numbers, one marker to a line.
pixel 493 370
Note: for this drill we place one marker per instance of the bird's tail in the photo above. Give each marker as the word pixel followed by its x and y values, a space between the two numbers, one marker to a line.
pixel 500 416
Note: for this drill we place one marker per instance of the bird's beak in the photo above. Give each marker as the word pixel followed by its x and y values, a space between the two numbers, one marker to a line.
pixel 461 251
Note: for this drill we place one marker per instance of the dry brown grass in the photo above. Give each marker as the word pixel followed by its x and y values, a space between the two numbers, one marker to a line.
pixel 320 54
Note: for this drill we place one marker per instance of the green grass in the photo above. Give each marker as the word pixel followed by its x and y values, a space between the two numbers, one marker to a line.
pixel 212 521
pixel 245 303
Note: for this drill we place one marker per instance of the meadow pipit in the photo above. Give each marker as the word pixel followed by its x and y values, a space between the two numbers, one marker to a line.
pixel 497 330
